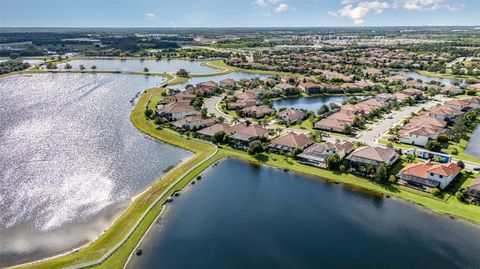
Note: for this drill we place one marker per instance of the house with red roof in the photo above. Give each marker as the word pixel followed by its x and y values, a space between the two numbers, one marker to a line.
pixel 289 142
pixel 290 115
pixel 427 175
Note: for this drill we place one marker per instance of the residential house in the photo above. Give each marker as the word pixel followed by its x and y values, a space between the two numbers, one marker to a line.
pixel 385 97
pixel 473 190
pixel 310 87
pixel 289 142
pixel 291 116
pixel 335 122
pixel 228 83
pixel 176 110
pixel 208 84
pixel 257 111
pixel 210 131
pixel 194 122
pixel 428 175
pixel 244 99
pixel 474 86
pixel 474 102
pixel 421 129
pixel 242 138
pixel 444 112
pixel 284 87
pixel 373 156
pixel 317 153
pixel 458 104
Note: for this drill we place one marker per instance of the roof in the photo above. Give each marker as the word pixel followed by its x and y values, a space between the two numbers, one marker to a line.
pixel 177 107
pixel 475 185
pixel 421 170
pixel 458 102
pixel 319 148
pixel 291 113
pixel 254 130
pixel 291 140
pixel 330 123
pixel 210 131
pixel 378 154
pixel 259 110
pixel 444 110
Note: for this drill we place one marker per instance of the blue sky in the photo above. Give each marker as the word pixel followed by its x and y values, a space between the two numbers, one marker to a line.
pixel 231 13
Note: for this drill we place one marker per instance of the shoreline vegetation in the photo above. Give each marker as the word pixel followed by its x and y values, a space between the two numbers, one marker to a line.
pixel 447 204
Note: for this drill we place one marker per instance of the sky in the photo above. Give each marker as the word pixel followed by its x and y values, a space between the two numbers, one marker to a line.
pixel 237 13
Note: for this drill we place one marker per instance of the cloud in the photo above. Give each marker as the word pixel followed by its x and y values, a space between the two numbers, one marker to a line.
pixel 264 3
pixel 357 10
pixel 150 16
pixel 358 13
pixel 282 7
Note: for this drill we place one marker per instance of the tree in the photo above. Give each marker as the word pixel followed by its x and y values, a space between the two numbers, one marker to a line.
pixel 381 173
pixel 461 164
pixel 146 70
pixel 148 112
pixel 442 138
pixel 82 67
pixel 93 67
pixel 433 145
pixel 297 151
pixel 219 137
pixel 459 196
pixel 183 73
pixel 68 66
pixel 255 147
pixel 333 161
pixel 347 129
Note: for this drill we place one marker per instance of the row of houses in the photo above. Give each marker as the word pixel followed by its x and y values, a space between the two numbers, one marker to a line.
pixel 429 124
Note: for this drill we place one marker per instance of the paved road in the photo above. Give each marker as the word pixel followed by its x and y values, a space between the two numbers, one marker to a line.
pixel 372 135
pixel 211 106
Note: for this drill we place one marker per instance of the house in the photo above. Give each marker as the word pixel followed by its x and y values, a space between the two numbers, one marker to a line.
pixel 244 99
pixel 210 131
pixel 413 93
pixel 458 104
pixel 374 156
pixel 428 175
pixel 193 122
pixel 310 87
pixel 257 111
pixel 451 90
pixel 474 86
pixel 208 84
pixel 444 112
pixel 473 191
pixel 335 122
pixel 317 153
pixel 421 129
pixel 401 97
pixel 385 97
pixel 291 115
pixel 474 102
pixel 396 78
pixel 228 83
pixel 289 142
pixel 176 110
pixel 242 138
pixel 284 87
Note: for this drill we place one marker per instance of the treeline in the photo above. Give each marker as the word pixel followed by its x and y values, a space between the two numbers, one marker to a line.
pixel 12 66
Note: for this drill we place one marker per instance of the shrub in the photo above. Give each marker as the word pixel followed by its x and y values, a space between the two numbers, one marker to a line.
pixel 342 168
pixel 391 179
pixel 436 192
pixel 454 151
pixel 459 195
pixel 148 112
pixel 461 164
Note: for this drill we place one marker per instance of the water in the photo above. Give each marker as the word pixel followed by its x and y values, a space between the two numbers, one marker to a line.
pixel 310 103
pixel 473 146
pixel 138 65
pixel 243 216
pixel 70 159
pixel 235 75
pixel 426 79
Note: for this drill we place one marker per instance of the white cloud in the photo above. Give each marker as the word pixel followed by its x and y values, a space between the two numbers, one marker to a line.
pixel 421 5
pixel 358 13
pixel 282 7
pixel 357 10
pixel 150 16
pixel 264 3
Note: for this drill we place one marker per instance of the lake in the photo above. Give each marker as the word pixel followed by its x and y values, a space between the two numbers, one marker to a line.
pixel 70 159
pixel 310 103
pixel 245 216
pixel 426 79
pixel 194 67
pixel 234 75
pixel 473 146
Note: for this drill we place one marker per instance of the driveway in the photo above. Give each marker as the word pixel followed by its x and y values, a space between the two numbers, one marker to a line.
pixel 211 106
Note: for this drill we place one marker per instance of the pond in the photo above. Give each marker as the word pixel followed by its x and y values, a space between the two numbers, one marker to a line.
pixel 235 75
pixel 311 103
pixel 426 79
pixel 70 159
pixel 473 146
pixel 244 216
pixel 155 66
